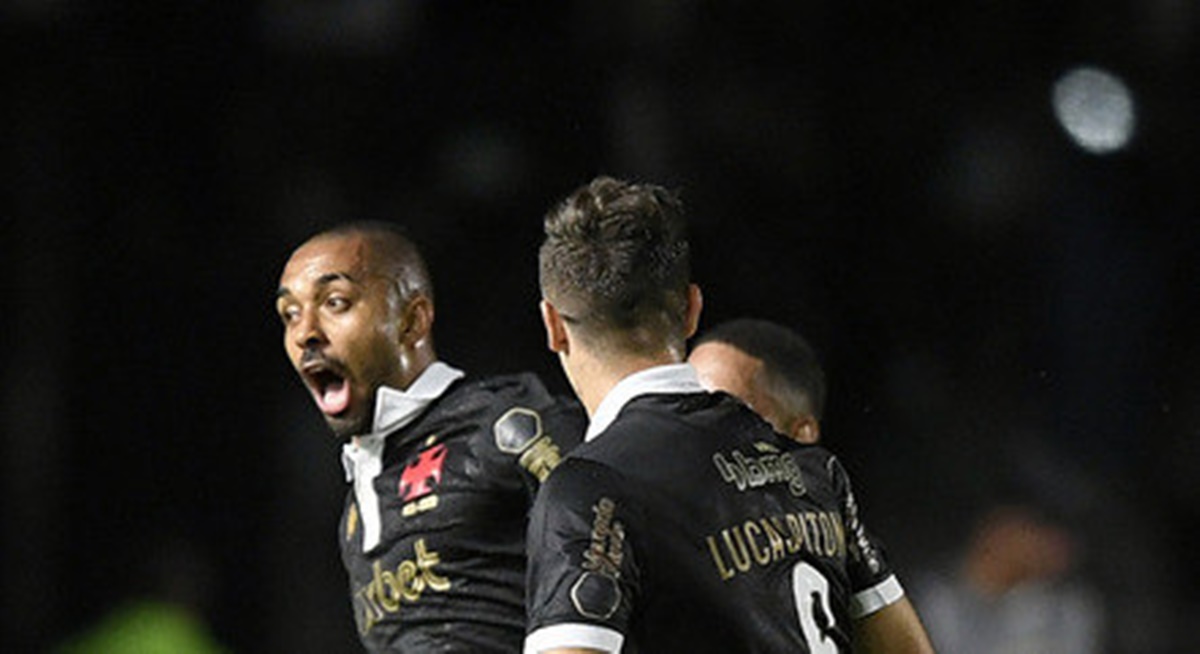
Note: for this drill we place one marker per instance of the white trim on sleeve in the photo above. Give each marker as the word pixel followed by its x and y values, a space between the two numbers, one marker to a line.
pixel 574 634
pixel 870 600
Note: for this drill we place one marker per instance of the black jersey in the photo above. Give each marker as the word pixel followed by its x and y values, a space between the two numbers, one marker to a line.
pixel 444 569
pixel 689 525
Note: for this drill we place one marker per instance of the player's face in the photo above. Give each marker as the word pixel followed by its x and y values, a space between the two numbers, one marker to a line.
pixel 341 326
pixel 722 367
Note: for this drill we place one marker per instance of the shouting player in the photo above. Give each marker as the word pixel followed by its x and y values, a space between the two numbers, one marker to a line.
pixel 443 469
pixel 684 523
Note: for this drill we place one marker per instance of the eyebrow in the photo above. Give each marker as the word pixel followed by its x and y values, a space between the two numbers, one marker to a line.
pixel 323 280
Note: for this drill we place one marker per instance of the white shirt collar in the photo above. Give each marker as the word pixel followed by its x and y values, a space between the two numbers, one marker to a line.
pixel 362 457
pixel 395 408
pixel 666 379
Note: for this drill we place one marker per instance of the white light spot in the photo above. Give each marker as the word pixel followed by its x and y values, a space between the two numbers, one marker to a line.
pixel 1095 108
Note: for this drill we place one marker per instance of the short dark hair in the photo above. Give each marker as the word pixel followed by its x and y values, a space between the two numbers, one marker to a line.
pixel 793 373
pixel 399 257
pixel 616 264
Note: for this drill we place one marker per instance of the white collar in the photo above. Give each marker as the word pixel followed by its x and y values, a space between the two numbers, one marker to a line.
pixel 671 378
pixel 395 408
pixel 362 457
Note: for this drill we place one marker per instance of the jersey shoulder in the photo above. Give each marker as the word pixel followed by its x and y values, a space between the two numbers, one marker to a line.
pixel 498 390
pixel 687 423
pixel 514 415
pixel 488 399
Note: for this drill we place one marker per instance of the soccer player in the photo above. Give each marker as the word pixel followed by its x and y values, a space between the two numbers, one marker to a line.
pixel 443 468
pixel 683 523
pixel 769 367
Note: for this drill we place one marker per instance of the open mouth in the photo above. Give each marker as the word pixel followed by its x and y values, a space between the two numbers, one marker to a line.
pixel 330 389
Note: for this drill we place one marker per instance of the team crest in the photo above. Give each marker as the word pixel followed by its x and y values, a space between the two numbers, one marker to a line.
pixel 421 476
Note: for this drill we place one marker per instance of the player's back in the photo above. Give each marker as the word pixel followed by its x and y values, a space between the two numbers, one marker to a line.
pixel 709 532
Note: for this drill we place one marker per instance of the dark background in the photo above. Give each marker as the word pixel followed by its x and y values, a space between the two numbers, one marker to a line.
pixel 992 302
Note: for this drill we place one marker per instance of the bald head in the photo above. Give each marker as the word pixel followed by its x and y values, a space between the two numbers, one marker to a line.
pixel 390 253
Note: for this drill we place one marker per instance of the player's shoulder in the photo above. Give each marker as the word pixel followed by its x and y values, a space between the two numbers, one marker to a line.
pixel 513 411
pixel 816 452
pixel 820 465
pixel 525 393
pixel 656 417
pixel 514 386
pixel 656 437
pixel 814 457
pixel 488 398
pixel 584 473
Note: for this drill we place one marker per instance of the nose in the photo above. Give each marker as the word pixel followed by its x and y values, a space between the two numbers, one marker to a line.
pixel 308 332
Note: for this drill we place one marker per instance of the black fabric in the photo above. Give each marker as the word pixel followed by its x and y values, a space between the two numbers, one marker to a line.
pixel 448 574
pixel 714 533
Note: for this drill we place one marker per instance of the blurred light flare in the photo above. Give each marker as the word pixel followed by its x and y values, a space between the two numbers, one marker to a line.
pixel 1095 108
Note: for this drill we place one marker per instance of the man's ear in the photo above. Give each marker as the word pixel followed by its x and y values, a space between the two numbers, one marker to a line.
pixel 805 429
pixel 556 330
pixel 418 320
pixel 694 305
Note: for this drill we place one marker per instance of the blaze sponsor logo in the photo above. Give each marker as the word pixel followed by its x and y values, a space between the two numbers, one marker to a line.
pixel 772 467
pixel 420 476
pixel 390 589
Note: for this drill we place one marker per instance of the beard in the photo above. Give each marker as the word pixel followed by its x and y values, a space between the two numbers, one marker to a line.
pixel 354 423
pixel 345 428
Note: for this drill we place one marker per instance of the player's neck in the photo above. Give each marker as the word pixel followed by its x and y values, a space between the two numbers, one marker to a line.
pixel 596 373
pixel 414 360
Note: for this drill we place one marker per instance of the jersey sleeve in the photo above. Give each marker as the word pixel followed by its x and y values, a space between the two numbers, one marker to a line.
pixel 873 584
pixel 537 430
pixel 583 577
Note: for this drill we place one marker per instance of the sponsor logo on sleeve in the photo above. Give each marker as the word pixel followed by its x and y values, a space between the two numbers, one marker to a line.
pixel 516 429
pixel 597 593
pixel 519 431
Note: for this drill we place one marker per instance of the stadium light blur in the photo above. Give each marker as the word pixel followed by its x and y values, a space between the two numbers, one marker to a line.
pixel 1095 108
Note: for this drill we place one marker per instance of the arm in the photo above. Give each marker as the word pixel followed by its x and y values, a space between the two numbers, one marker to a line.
pixel 884 620
pixel 582 574
pixel 894 629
